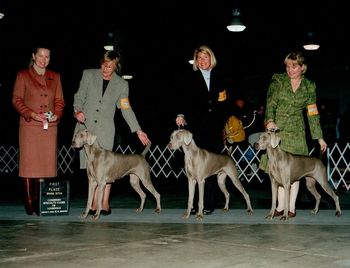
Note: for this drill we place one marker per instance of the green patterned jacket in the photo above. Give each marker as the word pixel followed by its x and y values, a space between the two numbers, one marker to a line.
pixel 286 108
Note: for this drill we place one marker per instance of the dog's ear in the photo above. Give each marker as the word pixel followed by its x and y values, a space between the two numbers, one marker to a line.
pixel 275 139
pixel 90 138
pixel 187 137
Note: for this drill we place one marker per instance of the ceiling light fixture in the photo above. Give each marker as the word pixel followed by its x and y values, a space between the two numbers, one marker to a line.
pixel 108 47
pixel 311 43
pixel 1 15
pixel 236 24
pixel 111 42
pixel 127 76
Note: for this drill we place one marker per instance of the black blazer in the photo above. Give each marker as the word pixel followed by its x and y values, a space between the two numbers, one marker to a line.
pixel 205 110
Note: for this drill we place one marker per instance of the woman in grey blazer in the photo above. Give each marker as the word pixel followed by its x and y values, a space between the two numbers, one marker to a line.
pixel 101 91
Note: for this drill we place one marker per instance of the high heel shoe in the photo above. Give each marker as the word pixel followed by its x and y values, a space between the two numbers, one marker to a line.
pixel 92 212
pixel 105 212
pixel 291 214
pixel 29 206
pixel 30 200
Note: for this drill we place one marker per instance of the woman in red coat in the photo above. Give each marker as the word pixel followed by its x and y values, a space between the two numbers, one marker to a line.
pixel 38 98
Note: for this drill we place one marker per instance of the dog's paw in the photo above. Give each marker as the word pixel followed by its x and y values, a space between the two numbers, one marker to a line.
pixel 139 210
pixel 185 216
pixel 199 217
pixel 95 217
pixel 314 211
pixel 284 218
pixel 249 211
pixel 83 215
pixel 269 216
pixel 157 210
pixel 225 210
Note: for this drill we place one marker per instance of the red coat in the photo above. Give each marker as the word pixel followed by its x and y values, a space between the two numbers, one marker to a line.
pixel 38 147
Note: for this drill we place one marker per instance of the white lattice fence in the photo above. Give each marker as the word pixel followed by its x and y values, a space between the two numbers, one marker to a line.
pixel 339 166
pixel 166 163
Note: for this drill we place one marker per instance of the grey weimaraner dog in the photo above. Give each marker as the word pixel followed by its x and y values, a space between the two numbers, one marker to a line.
pixel 286 168
pixel 105 166
pixel 200 164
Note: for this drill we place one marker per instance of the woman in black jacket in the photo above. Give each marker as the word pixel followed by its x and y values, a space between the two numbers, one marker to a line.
pixel 203 109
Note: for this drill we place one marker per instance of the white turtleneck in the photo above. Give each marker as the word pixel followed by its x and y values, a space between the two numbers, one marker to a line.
pixel 206 76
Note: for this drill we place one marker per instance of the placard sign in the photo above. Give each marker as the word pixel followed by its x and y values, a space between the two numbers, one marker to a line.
pixel 54 198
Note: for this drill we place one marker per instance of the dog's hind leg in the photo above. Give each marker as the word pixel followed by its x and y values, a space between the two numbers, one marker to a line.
pixel 327 188
pixel 311 186
pixel 222 186
pixel 236 182
pixel 135 183
pixel 147 182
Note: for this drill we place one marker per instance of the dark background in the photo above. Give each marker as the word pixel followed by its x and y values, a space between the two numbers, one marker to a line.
pixel 156 40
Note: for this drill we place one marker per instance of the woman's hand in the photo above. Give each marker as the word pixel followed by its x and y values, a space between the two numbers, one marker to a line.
pixel 143 137
pixel 38 117
pixel 180 120
pixel 80 116
pixel 323 145
pixel 271 126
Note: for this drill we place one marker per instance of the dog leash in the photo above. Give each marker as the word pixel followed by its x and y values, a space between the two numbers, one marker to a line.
pixel 253 120
pixel 83 124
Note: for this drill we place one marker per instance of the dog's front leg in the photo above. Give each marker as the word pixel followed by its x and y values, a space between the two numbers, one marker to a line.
pixel 274 189
pixel 91 193
pixel 286 187
pixel 201 185
pixel 100 192
pixel 191 188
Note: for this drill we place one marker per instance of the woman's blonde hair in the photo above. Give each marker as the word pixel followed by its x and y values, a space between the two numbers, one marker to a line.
pixel 112 55
pixel 299 58
pixel 205 50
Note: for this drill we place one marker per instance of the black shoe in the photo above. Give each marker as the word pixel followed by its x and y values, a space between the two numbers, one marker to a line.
pixel 105 212
pixel 207 211
pixel 92 212
pixel 193 211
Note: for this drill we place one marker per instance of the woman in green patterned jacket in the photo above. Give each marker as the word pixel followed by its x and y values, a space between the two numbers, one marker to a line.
pixel 288 95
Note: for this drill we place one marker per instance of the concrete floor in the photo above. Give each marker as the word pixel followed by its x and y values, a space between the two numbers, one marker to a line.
pixel 128 239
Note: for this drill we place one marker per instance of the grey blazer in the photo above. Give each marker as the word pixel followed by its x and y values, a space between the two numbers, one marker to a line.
pixel 100 109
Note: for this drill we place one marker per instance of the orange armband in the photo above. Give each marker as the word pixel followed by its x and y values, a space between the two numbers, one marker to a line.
pixel 124 103
pixel 312 110
pixel 222 95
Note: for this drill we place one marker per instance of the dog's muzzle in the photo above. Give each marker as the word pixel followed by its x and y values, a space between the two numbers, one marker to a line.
pixel 75 144
pixel 256 146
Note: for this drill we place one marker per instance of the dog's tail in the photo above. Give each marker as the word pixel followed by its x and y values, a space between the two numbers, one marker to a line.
pixel 229 150
pixel 145 151
pixel 318 153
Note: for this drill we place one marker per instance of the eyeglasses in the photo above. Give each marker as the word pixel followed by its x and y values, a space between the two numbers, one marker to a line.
pixel 108 65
